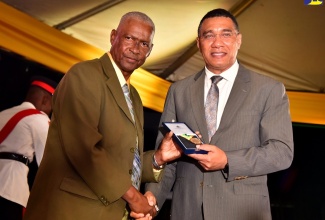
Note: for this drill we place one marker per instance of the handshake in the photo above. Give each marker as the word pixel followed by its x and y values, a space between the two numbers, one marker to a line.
pixel 152 213
pixel 144 206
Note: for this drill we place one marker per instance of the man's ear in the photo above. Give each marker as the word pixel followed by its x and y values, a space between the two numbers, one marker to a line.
pixel 198 43
pixel 239 40
pixel 112 36
pixel 149 50
pixel 46 98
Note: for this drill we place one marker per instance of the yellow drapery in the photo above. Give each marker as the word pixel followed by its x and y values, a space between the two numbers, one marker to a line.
pixel 41 43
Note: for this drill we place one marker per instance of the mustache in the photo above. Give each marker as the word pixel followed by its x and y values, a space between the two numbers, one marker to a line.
pixel 132 56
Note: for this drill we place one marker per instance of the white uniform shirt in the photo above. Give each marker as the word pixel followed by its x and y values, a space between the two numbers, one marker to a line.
pixel 28 137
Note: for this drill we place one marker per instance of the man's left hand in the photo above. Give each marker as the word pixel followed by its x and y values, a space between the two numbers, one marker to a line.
pixel 215 159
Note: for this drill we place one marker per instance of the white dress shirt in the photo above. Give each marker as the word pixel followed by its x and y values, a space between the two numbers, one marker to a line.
pixel 224 86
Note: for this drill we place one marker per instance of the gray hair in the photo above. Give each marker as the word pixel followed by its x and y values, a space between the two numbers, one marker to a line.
pixel 139 16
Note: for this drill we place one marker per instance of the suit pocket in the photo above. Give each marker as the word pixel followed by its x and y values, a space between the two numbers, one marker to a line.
pixel 251 189
pixel 78 188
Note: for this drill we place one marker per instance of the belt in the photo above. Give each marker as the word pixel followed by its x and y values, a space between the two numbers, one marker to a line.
pixel 14 156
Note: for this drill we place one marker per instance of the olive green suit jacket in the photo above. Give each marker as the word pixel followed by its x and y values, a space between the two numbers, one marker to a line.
pixel 87 163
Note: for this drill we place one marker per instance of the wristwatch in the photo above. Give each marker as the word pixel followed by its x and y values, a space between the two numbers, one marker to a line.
pixel 155 164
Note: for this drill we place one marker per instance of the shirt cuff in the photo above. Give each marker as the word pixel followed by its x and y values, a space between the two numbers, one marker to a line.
pixel 157 174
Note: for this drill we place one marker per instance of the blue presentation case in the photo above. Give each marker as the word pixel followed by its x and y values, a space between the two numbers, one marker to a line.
pixel 185 137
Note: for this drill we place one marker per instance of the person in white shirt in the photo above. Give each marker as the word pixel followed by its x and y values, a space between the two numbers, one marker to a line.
pixel 23 133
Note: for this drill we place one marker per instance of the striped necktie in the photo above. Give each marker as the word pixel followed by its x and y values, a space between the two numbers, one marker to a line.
pixel 211 106
pixel 136 170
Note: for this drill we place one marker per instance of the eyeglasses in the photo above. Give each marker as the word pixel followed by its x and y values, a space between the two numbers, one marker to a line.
pixel 224 36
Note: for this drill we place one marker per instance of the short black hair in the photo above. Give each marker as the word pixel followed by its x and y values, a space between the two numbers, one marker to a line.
pixel 219 12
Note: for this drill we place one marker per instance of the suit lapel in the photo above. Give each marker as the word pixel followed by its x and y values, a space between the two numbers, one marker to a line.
pixel 236 98
pixel 114 85
pixel 197 103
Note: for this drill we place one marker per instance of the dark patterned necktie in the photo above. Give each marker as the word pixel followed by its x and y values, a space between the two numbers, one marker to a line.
pixel 211 106
pixel 136 170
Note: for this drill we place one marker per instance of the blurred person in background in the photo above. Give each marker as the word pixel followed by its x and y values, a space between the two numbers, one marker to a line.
pixel 23 133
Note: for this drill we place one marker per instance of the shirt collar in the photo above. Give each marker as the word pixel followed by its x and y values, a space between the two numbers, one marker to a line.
pixel 229 75
pixel 119 74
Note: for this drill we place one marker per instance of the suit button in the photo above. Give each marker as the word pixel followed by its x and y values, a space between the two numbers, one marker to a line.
pixel 132 149
pixel 130 172
pixel 201 184
pixel 104 200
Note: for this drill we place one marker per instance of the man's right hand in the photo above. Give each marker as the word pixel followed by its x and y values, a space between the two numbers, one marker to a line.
pixel 138 203
pixel 168 150
pixel 152 202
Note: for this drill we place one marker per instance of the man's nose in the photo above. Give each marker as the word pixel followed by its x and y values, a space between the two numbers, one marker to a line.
pixel 135 48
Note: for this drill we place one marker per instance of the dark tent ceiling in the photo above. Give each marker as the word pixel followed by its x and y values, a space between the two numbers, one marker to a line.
pixel 281 39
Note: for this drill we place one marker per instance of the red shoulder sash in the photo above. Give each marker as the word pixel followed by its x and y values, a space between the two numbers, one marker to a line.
pixel 14 120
